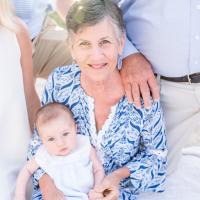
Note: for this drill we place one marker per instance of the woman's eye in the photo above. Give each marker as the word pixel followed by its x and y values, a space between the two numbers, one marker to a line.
pixel 51 139
pixel 84 44
pixel 104 42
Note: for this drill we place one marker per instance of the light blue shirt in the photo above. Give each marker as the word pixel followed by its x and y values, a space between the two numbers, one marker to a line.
pixel 167 32
pixel 33 13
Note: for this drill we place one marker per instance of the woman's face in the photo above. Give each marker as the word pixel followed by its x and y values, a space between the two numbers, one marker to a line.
pixel 96 49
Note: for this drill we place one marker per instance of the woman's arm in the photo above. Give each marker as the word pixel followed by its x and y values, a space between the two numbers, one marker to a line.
pixel 32 100
pixel 148 167
pixel 49 190
pixel 23 178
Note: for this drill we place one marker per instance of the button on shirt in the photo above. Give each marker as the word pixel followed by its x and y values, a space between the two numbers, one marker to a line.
pixel 166 32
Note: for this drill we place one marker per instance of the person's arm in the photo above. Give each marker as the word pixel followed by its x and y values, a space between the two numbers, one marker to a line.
pixel 23 177
pixel 62 7
pixel 98 170
pixel 147 170
pixel 136 72
pixel 32 100
pixel 148 166
pixel 49 190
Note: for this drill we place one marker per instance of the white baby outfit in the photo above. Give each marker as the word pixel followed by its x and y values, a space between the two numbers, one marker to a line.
pixel 72 174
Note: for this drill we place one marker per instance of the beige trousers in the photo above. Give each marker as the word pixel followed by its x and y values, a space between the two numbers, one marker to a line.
pixel 181 107
pixel 50 49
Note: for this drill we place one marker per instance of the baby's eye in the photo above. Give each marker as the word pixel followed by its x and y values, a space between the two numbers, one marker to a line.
pixel 65 134
pixel 51 139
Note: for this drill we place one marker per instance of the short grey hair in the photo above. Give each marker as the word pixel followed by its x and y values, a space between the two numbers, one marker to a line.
pixel 85 13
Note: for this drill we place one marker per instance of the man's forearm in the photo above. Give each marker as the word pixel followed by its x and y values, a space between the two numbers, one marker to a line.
pixel 62 7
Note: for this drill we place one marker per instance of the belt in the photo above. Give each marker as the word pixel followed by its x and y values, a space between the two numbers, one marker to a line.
pixel 192 78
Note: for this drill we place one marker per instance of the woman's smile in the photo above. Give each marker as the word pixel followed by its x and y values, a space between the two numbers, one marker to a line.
pixel 98 66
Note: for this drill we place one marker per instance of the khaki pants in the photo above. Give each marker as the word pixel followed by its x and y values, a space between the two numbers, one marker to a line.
pixel 181 107
pixel 50 49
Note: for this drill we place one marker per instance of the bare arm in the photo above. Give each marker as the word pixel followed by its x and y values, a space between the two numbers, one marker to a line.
pixel 49 190
pixel 98 170
pixel 32 100
pixel 62 7
pixel 23 178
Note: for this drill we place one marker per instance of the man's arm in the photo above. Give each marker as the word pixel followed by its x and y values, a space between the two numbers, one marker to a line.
pixel 136 72
pixel 62 7
pixel 23 178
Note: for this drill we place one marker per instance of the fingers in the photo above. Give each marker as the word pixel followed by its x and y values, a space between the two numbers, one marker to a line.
pixel 154 88
pixel 145 94
pixel 93 195
pixel 139 81
pixel 136 94
pixel 128 92
pixel 145 89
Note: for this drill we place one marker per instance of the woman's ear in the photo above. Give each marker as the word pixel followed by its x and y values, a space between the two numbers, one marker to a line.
pixel 122 43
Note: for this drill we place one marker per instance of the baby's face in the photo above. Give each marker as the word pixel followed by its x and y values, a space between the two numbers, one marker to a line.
pixel 58 136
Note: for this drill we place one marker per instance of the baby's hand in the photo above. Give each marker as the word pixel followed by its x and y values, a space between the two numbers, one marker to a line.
pixel 93 195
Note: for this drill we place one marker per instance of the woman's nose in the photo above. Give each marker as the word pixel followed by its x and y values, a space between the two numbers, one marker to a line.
pixel 96 52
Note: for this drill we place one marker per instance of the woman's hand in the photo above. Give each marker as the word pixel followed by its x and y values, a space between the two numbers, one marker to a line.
pixel 93 195
pixel 49 190
pixel 109 188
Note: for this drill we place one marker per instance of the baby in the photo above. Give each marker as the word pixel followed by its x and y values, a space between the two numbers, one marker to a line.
pixel 68 158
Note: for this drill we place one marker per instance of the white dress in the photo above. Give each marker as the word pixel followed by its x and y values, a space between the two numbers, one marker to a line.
pixel 72 174
pixel 14 126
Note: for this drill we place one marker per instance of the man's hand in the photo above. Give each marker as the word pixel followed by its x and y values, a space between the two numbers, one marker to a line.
pixel 49 190
pixel 139 80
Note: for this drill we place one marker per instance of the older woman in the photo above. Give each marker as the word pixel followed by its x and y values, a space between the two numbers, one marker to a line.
pixel 130 142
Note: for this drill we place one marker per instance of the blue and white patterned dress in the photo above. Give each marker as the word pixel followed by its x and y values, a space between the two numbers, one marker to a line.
pixel 130 137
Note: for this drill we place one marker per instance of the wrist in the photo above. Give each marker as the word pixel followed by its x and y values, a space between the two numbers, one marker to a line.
pixel 121 173
pixel 45 183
